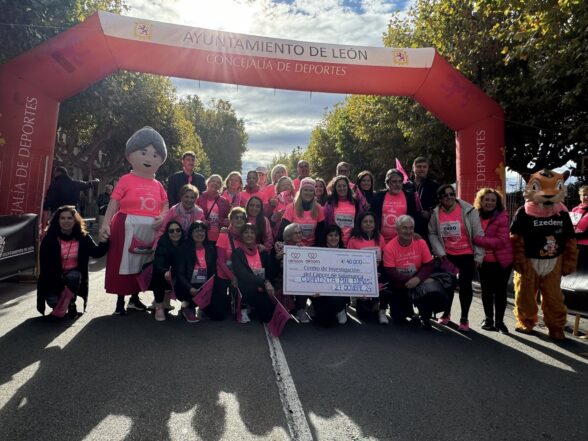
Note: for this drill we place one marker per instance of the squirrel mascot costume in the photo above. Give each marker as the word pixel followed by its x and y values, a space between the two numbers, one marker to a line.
pixel 544 249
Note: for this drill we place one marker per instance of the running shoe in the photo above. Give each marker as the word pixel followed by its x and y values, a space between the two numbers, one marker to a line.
pixel 245 316
pixel 464 325
pixel 444 320
pixel 189 314
pixel 342 317
pixel 382 317
pixel 135 303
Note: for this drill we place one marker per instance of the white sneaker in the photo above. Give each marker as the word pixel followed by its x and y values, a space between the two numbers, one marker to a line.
pixel 245 316
pixel 302 316
pixel 342 316
pixel 382 317
pixel 159 313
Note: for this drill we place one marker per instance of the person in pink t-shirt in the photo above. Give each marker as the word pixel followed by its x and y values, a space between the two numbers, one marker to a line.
pixel 366 235
pixel 228 240
pixel 341 208
pixel 216 208
pixel 408 264
pixel 252 189
pixel 452 228
pixel 255 216
pixel 233 187
pixel 135 213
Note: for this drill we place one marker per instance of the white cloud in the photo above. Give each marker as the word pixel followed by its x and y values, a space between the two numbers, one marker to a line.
pixel 276 121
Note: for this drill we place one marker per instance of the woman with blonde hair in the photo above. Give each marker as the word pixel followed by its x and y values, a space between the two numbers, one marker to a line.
pixel 497 265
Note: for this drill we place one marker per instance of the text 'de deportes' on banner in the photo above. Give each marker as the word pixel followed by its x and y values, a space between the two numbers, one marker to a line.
pixel 330 272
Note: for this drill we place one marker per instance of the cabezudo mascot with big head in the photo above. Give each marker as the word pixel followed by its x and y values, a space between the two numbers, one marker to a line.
pixel 545 249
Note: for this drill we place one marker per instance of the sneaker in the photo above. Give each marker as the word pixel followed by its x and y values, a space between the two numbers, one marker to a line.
pixel 488 324
pixel 342 316
pixel 244 316
pixel 382 317
pixel 189 314
pixel 159 314
pixel 464 325
pixel 501 327
pixel 444 320
pixel 302 316
pixel 199 313
pixel 135 303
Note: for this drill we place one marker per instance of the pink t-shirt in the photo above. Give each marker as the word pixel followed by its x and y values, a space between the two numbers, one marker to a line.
pixel 224 242
pixel 69 254
pixel 234 200
pixel 306 222
pixel 254 262
pixel 394 206
pixel 580 223
pixel 344 216
pixel 407 260
pixel 139 196
pixel 213 220
pixel 246 195
pixel 454 233
pixel 199 274
pixel 359 243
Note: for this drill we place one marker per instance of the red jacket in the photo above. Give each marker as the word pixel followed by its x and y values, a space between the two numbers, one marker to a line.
pixel 497 239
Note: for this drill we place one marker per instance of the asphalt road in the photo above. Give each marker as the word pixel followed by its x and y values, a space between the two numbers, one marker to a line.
pixel 104 377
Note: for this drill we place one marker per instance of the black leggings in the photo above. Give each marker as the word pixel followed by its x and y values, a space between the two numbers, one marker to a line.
pixel 494 281
pixel 466 265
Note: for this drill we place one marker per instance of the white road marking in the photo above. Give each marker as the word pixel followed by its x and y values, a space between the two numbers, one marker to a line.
pixel 295 416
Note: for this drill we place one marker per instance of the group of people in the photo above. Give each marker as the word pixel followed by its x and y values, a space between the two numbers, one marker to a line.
pixel 426 241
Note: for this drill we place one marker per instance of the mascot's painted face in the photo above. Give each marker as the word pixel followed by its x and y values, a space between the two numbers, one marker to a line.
pixel 546 187
pixel 145 161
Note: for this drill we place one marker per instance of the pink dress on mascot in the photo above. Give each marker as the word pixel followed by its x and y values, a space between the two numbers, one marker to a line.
pixel 135 212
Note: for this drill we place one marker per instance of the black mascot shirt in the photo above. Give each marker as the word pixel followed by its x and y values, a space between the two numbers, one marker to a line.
pixel 545 237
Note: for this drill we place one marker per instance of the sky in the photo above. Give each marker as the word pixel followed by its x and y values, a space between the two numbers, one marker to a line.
pixel 275 120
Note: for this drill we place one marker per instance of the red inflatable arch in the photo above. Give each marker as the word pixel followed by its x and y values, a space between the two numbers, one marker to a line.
pixel 33 84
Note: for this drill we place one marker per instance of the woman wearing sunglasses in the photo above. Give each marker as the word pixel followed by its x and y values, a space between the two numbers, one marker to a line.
pixel 163 265
pixel 452 228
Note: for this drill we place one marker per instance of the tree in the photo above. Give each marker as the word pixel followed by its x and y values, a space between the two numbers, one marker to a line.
pixel 290 160
pixel 371 131
pixel 529 56
pixel 94 125
pixel 223 134
pixel 27 23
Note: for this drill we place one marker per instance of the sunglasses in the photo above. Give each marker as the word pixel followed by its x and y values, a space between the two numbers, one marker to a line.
pixel 448 195
pixel 174 230
pixel 239 217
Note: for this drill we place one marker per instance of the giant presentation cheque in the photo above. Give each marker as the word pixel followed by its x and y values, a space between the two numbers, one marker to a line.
pixel 330 272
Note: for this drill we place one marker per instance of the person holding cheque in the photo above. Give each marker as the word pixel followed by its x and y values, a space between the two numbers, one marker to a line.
pixel 328 309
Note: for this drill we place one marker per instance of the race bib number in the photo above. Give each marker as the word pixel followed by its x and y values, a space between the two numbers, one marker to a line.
pixel 575 218
pixel 408 270
pixel 259 272
pixel 451 230
pixel 307 230
pixel 344 220
pixel 198 275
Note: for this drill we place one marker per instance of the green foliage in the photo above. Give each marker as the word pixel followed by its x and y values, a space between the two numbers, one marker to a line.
pixel 27 23
pixel 95 124
pixel 371 131
pixel 530 56
pixel 290 160
pixel 223 134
